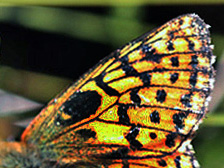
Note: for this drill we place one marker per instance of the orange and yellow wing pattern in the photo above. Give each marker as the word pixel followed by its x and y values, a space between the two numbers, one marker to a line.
pixel 138 108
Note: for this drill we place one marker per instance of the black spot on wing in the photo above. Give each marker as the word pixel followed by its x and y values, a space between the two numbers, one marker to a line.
pixel 193 79
pixel 135 97
pixel 122 114
pixel 174 77
pixel 186 100
pixel 170 46
pixel 146 78
pixel 194 61
pixel 150 54
pixel 86 134
pixel 177 162
pixel 148 50
pixel 153 135
pixel 178 120
pixel 175 61
pixel 190 45
pixel 79 106
pixel 127 68
pixel 131 138
pixel 181 22
pixel 154 117
pixel 170 140
pixel 129 71
pixel 161 96
pixel 162 163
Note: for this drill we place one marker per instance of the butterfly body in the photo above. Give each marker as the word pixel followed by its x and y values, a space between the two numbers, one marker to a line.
pixel 18 155
pixel 138 108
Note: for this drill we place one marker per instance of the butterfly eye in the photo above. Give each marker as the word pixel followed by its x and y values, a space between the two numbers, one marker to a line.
pixel 79 106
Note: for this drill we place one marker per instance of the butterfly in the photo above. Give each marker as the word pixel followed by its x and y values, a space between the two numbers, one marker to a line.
pixel 137 108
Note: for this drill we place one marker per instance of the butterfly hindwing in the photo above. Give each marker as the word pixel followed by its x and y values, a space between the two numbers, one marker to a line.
pixel 139 107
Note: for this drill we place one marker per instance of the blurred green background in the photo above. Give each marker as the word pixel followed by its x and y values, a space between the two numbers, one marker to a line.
pixel 44 48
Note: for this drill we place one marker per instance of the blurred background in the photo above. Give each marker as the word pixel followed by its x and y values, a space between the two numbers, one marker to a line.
pixel 46 47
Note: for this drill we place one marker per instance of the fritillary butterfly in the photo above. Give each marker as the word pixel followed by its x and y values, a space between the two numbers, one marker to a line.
pixel 138 108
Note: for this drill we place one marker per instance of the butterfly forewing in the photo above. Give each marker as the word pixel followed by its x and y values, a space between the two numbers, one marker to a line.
pixel 139 107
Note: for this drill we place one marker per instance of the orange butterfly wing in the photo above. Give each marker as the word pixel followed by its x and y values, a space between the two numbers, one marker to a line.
pixel 139 107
